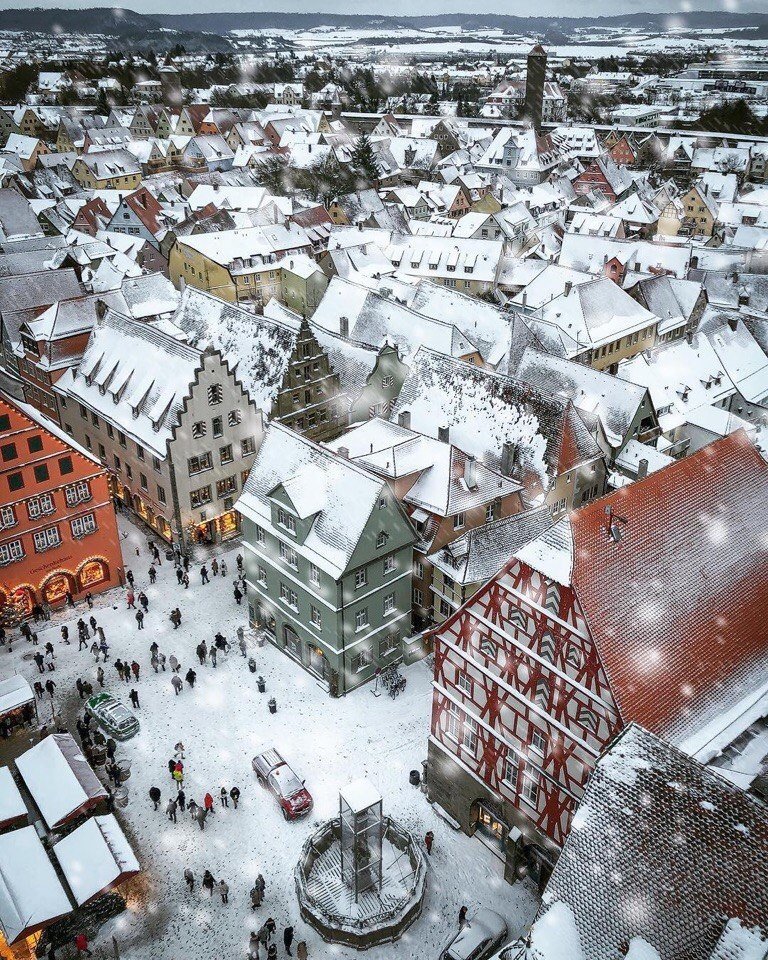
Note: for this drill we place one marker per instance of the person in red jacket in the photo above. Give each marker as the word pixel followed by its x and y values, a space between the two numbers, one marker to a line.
pixel 81 943
pixel 208 801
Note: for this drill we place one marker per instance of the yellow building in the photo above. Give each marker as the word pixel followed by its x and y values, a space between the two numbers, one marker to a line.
pixel 108 170
pixel 692 214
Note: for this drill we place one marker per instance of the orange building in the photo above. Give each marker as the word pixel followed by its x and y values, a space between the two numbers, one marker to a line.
pixel 58 531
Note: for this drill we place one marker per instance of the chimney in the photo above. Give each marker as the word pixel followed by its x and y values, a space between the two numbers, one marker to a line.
pixel 642 469
pixel 733 323
pixel 404 419
pixel 344 452
pixel 568 287
pixel 508 458
pixel 524 298
pixel 470 473
pixel 689 336
pixel 443 434
pixel 344 326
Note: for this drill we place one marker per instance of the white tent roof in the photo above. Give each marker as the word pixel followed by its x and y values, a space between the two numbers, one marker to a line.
pixel 94 856
pixel 59 778
pixel 12 804
pixel 31 895
pixel 14 692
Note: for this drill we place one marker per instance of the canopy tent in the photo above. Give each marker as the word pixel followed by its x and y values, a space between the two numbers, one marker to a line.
pixel 15 693
pixel 60 779
pixel 31 895
pixel 95 857
pixel 13 810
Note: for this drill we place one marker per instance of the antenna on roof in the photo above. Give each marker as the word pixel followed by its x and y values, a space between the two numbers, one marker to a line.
pixel 612 528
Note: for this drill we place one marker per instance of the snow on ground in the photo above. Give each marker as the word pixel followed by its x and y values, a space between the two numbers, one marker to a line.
pixel 222 722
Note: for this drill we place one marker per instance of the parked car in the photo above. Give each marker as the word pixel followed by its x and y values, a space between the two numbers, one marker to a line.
pixel 278 777
pixel 478 939
pixel 112 715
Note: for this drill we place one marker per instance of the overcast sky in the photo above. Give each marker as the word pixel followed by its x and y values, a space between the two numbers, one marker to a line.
pixel 573 8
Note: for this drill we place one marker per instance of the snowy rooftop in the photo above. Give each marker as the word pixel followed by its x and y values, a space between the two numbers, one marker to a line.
pixel 360 794
pixel 31 895
pixel 14 692
pixel 672 852
pixel 59 778
pixel 94 857
pixel 12 806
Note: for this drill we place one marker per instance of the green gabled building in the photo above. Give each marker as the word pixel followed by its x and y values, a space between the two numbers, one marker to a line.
pixel 328 555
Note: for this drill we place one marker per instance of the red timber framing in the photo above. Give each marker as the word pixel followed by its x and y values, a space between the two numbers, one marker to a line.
pixel 520 699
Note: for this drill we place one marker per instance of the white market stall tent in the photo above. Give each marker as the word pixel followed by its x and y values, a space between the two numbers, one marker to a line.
pixel 95 857
pixel 60 779
pixel 31 895
pixel 13 810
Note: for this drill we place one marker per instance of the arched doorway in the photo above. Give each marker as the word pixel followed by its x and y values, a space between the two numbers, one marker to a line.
pixel 54 588
pixel 22 598
pixel 92 572
pixel 292 641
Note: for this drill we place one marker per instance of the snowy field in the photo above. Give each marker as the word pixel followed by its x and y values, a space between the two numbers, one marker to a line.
pixel 222 722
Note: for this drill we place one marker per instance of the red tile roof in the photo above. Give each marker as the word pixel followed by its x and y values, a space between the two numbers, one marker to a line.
pixel 678 606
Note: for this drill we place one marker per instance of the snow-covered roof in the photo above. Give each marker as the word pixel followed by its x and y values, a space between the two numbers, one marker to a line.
pixel 59 778
pixel 235 248
pixel 31 895
pixel 94 857
pixel 257 349
pixel 344 493
pixel 12 806
pixel 551 553
pixel 14 693
pixel 672 852
pixel 136 377
pixel 359 795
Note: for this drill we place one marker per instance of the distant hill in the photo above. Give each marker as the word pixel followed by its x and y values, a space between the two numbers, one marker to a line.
pixel 209 30
pixel 129 28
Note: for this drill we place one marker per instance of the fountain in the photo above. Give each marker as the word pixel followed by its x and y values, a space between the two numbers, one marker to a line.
pixel 361 877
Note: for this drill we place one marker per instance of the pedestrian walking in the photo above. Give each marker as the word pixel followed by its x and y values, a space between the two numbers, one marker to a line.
pixel 161 661
pixel 208 801
pixel 100 676
pixel 189 879
pixel 127 672
pixel 38 688
pixel 50 686
pixel 271 927
pixel 179 575
pixel 208 881
pixel 177 683
pixel 173 663
pixel 140 619
pixel 255 897
pixel 81 943
pixel 203 574
pixel 181 798
pixel 462 918
pixel 171 767
pixel 185 581
pixel 191 677
pixel 178 776
pixel 40 661
pixel 224 797
pixel 134 698
pixel 136 668
pixel 429 839
pixel 111 748
pixel 89 600
pixel 131 600
pixel 152 574
pixel 70 598
pixel 143 600
pixel 253 946
pixel 235 794
pixel 202 652
pixel 154 796
pixel 193 808
pixel 170 810
pixel 261 884
pixel 224 891
pixel 223 568
pixel 239 559
pixel 238 595
pixel 82 640
pixel 50 661
pixel 129 576
pixel 272 951
pixel 93 623
pixel 65 635
pixel 213 654
pixel 288 940
pixel 154 662
pixel 215 567
pixel 79 687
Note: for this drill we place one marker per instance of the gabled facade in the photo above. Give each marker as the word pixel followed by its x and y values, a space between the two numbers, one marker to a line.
pixel 589 627
pixel 328 554
pixel 58 532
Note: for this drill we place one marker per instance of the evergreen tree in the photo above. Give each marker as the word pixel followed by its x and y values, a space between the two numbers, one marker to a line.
pixel 364 159
pixel 102 104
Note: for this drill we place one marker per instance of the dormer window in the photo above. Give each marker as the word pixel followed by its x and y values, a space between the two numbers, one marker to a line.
pixel 286 520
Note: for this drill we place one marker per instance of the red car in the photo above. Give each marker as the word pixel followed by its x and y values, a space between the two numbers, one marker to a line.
pixel 274 773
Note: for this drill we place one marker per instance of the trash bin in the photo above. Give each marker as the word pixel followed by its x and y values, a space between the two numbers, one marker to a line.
pixel 124 767
pixel 415 778
pixel 272 705
pixel 169 554
pixel 262 684
pixel 120 796
pixel 98 756
pixel 252 665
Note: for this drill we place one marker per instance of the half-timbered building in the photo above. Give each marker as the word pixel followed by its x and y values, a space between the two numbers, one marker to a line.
pixel 641 606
